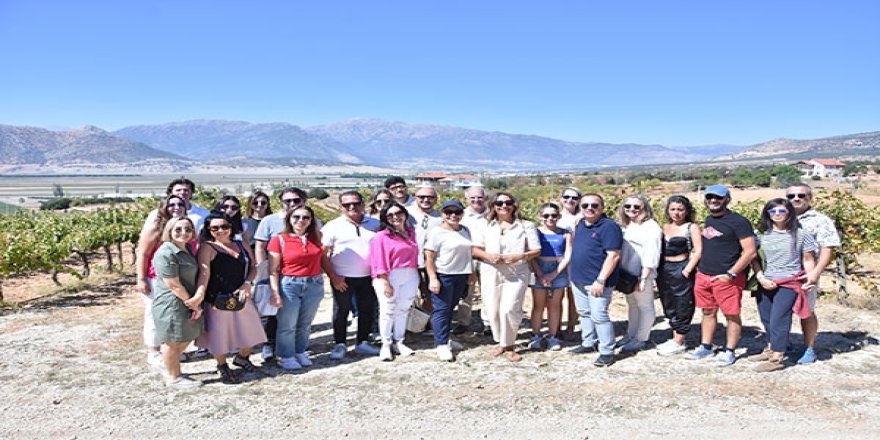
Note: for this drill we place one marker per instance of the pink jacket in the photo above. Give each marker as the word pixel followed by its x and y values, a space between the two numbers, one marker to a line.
pixel 388 252
pixel 801 306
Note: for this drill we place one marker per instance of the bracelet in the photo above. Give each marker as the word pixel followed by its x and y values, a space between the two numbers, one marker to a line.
pixel 730 274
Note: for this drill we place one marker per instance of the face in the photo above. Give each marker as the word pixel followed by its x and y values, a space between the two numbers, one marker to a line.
pixel 504 206
pixel 220 229
pixel 569 200
pixel 260 204
pixel 176 207
pixel 592 208
pixel 353 207
pixel 476 200
pixel 549 217
pixel 182 232
pixel 381 201
pixel 716 203
pixel 398 190
pixel 778 214
pixel 452 215
pixel 426 198
pixel 300 219
pixel 632 208
pixel 799 197
pixel 396 217
pixel 291 200
pixel 230 207
pixel 182 190
pixel 677 212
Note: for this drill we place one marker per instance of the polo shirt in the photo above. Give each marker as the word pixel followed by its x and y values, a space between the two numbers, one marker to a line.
pixel 589 249
pixel 422 222
pixel 350 245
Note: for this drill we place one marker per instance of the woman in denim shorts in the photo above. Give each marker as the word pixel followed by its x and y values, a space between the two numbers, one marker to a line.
pixel 551 277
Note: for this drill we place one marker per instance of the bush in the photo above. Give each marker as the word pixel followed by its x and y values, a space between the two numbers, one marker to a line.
pixel 56 203
pixel 318 194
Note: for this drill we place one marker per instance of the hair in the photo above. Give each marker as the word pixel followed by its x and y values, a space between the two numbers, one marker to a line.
pixel 803 185
pixel 206 235
pixel 690 212
pixel 375 197
pixel 249 212
pixel 311 231
pixel 601 199
pixel 383 219
pixel 295 190
pixel 791 221
pixel 393 180
pixel 548 205
pixel 491 215
pixel 171 223
pixel 481 188
pixel 235 219
pixel 163 214
pixel 646 213
pixel 351 193
pixel 180 181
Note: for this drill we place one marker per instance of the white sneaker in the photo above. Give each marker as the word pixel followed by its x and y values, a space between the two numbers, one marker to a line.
pixel 455 346
pixel 289 363
pixel 403 350
pixel 553 344
pixel 385 353
pixel 366 348
pixel 671 348
pixel 444 353
pixel 183 383
pixel 303 359
pixel 267 352
pixel 156 362
pixel 338 352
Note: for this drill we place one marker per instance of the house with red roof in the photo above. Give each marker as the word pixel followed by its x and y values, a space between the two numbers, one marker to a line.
pixel 821 167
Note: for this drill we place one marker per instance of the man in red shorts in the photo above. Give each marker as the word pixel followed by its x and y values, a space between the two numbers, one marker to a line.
pixel 728 248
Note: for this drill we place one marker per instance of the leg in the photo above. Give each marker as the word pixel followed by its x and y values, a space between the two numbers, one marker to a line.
pixel 810 327
pixel 780 320
pixel 539 302
pixel 765 308
pixel 442 314
pixel 573 315
pixel 513 291
pixel 288 315
pixel 708 325
pixel 734 331
pixel 602 321
pixel 342 306
pixel 466 305
pixel 366 299
pixel 554 311
pixel 581 295
pixel 684 312
pixel 406 288
pixel 311 300
pixel 171 357
pixel 386 312
pixel 490 290
pixel 150 340
pixel 424 293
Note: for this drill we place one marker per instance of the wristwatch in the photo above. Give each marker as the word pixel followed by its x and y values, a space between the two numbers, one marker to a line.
pixel 248 282
pixel 730 274
pixel 600 281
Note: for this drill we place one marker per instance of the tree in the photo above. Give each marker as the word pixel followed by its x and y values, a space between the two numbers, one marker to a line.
pixel 318 194
pixel 57 190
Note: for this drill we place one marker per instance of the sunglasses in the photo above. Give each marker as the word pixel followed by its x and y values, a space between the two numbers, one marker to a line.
pixel 570 197
pixel 796 196
pixel 218 228
pixel 176 205
pixel 426 197
pixel 635 207
pixel 230 207
pixel 351 205
pixel 714 197
pixel 453 212
pixel 395 213
pixel 590 205
pixel 500 203
pixel 184 229
pixel 260 203
pixel 548 216
pixel 382 201
pixel 295 201
pixel 775 211
pixel 297 217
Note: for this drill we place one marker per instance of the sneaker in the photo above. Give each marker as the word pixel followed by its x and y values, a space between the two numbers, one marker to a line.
pixel 183 383
pixel 459 329
pixel 622 341
pixel 444 353
pixel 154 358
pixel 808 357
pixel 227 375
pixel 633 346
pixel 289 363
pixel 403 350
pixel 553 344
pixel 267 354
pixel 699 353
pixel 670 348
pixel 604 360
pixel 338 352
pixel 375 337
pixel 201 353
pixel 725 358
pixel 244 363
pixel 455 346
pixel 385 353
pixel 535 343
pixel 582 349
pixel 762 356
pixel 770 365
pixel 365 348
pixel 302 359
pixel 184 357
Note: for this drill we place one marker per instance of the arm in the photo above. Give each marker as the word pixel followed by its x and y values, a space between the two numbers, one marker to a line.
pixel 759 274
pixel 274 282
pixel 336 280
pixel 147 240
pixel 431 268
pixel 696 253
pixel 748 254
pixel 261 254
pixel 611 259
pixel 481 254
pixel 205 255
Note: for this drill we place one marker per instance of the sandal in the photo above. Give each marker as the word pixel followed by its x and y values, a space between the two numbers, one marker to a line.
pixel 513 356
pixel 227 375
pixel 496 351
pixel 244 363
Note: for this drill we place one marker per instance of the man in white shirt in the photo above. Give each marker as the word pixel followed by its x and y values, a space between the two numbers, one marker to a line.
pixel 474 219
pixel 423 217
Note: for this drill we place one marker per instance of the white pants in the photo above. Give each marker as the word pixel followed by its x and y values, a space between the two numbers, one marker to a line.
pixel 394 311
pixel 641 312
pixel 150 339
pixel 502 293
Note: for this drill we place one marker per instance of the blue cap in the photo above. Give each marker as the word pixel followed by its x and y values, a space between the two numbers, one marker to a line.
pixel 451 203
pixel 718 190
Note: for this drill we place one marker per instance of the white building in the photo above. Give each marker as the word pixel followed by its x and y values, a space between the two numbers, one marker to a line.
pixel 821 167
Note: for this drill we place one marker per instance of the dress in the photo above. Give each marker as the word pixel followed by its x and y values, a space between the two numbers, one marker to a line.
pixel 170 316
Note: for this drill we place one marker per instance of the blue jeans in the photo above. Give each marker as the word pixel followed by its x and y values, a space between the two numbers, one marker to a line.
pixel 452 290
pixel 596 325
pixel 300 298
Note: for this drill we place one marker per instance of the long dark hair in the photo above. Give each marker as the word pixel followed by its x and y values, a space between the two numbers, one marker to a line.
pixel 311 231
pixel 689 210
pixel 163 214
pixel 234 219
pixel 491 215
pixel 250 203
pixel 205 234
pixel 791 221
pixel 383 219
pixel 374 198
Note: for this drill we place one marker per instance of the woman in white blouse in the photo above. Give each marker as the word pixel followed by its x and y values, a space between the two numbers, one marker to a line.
pixel 506 245
pixel 640 256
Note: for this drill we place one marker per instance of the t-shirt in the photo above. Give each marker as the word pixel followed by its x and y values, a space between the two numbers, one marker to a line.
pixel 780 261
pixel 301 258
pixel 195 213
pixel 552 245
pixel 273 225
pixel 590 247
pixel 422 222
pixel 721 238
pixel 453 255
pixel 388 251
pixel 351 245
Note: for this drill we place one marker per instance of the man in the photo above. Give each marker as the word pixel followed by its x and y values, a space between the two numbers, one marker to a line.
pixel 397 186
pixel 825 233
pixel 423 217
pixel 346 240
pixel 474 219
pixel 728 248
pixel 595 252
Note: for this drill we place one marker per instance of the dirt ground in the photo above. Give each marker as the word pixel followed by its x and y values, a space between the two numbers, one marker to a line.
pixel 73 367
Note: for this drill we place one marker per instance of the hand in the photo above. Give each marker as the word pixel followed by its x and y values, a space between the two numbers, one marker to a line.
pixel 472 279
pixel 686 273
pixel 143 287
pixel 597 289
pixel 810 280
pixel 389 291
pixel 767 284
pixel 275 300
pixel 339 283
pixel 512 258
pixel 194 302
pixel 643 283
pixel 196 313
pixel 547 280
pixel 434 286
pixel 244 294
pixel 493 258
pixel 722 277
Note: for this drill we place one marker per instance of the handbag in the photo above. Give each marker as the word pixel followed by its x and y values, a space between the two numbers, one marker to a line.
pixel 227 301
pixel 626 282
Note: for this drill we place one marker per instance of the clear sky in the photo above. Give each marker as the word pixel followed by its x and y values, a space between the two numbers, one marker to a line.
pixel 660 71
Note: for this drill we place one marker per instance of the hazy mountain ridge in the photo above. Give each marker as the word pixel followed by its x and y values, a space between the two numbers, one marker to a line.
pixel 859 144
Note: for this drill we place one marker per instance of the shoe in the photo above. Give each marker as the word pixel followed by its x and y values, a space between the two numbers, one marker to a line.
pixel 367 349
pixel 227 375
pixel 459 329
pixel 403 350
pixel 671 348
pixel 553 344
pixel 604 360
pixel 455 346
pixel 762 356
pixel 770 365
pixel 201 353
pixel 633 346
pixel 184 357
pixel 385 353
pixel 289 363
pixel 154 358
pixel 487 331
pixel 444 353
pixel 513 356
pixel 582 349
pixel 808 357
pixel 244 363
pixel 535 343
pixel 375 337
pixel 622 341
pixel 267 354
pixel 302 359
pixel 496 351
pixel 183 383
pixel 725 358
pixel 699 353
pixel 338 352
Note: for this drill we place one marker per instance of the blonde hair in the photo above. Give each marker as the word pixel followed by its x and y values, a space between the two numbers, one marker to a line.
pixel 645 214
pixel 171 223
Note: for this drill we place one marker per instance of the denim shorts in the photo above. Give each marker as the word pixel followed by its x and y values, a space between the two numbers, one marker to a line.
pixel 560 282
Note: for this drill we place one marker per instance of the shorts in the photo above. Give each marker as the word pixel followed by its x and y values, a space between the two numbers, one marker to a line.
pixel 560 282
pixel 720 294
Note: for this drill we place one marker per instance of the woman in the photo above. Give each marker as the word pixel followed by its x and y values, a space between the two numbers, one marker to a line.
pixel 551 277
pixel 295 262
pixel 639 256
pixel 788 253
pixel 379 200
pixel 568 218
pixel 682 249
pixel 257 209
pixel 149 241
pixel 232 207
pixel 176 309
pixel 227 266
pixel 448 260
pixel 394 266
pixel 506 245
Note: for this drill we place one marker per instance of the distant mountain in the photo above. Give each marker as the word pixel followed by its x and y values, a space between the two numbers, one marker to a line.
pixel 853 145
pixel 86 145
pixel 222 140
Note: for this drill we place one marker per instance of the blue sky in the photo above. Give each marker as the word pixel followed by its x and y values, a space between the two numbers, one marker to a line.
pixel 668 72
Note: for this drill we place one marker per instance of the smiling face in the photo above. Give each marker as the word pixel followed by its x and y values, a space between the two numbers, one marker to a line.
pixel 800 198
pixel 426 198
pixel 182 190
pixel 381 201
pixel 592 207
pixel 353 208
pixel 569 200
pixel 716 204
pixel 291 200
pixel 220 229
pixel 230 207
pixel 396 217
pixel 260 205
pixel 452 216
pixel 176 207
pixel 182 232
pixel 778 215
pixel 504 207
pixel 398 190
pixel 476 199
pixel 632 208
pixel 549 216
pixel 300 220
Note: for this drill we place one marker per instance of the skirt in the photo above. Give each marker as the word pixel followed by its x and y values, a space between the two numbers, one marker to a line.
pixel 231 331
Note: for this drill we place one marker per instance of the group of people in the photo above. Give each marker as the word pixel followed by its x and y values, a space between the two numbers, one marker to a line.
pixel 228 282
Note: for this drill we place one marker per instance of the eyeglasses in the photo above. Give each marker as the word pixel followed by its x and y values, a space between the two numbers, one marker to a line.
pixel 796 195
pixel 295 201
pixel 426 197
pixel 394 213
pixel 635 207
pixel 184 229
pixel 218 228
pixel 230 207
pixel 549 216
pixel 714 197
pixel 297 217
pixel 500 203
pixel 775 211
pixel 397 187
pixel 260 203
pixel 453 212
pixel 590 205
pixel 570 197
pixel 177 205
pixel 351 205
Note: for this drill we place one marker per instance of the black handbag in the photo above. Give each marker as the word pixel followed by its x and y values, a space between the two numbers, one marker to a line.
pixel 626 282
pixel 227 301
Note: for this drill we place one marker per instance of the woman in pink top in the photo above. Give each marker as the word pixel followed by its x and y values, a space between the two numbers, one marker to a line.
pixel 394 263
